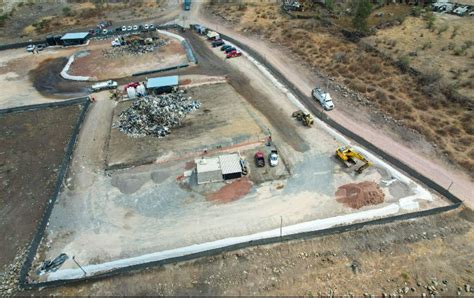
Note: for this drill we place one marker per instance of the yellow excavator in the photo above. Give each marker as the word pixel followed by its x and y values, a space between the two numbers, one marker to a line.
pixel 304 117
pixel 347 155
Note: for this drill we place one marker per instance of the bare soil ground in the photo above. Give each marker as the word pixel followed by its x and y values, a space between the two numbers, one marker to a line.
pixel 384 87
pixel 223 120
pixel 32 148
pixel 399 258
pixel 93 63
pixel 35 20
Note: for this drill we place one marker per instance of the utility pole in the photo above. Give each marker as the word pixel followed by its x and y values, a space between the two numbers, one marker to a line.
pixel 281 226
pixel 450 185
pixel 74 259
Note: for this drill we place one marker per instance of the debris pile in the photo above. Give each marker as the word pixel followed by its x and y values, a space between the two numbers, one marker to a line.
pixel 134 48
pixel 156 115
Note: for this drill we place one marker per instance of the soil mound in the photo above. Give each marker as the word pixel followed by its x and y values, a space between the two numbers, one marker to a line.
pixel 358 195
pixel 231 192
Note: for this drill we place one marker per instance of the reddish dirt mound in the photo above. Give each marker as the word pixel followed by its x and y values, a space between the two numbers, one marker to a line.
pixel 231 192
pixel 358 195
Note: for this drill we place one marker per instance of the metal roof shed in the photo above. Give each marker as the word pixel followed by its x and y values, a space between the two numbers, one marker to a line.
pixel 230 166
pixel 208 170
pixel 162 84
pixel 74 38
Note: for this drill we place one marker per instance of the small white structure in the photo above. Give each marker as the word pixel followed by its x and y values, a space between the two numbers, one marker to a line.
pixel 217 169
pixel 208 170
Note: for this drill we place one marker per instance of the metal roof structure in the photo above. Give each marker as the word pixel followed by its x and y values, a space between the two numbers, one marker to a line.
pixel 230 163
pixel 162 82
pixel 78 35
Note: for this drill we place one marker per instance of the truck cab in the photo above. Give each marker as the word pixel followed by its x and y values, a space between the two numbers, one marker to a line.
pixel 324 98
pixel 187 4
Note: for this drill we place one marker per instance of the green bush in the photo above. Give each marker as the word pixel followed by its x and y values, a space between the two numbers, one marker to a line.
pixel 430 20
pixel 3 19
pixel 416 11
pixel 404 63
pixel 363 10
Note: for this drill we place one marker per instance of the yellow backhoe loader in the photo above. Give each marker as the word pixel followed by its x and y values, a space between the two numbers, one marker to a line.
pixel 304 117
pixel 347 155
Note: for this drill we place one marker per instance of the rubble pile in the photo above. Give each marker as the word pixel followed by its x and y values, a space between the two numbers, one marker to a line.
pixel 156 115
pixel 132 49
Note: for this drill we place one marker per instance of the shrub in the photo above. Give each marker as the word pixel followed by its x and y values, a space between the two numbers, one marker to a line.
pixel 455 31
pixel 430 20
pixel 443 28
pixel 426 45
pixel 362 12
pixel 404 63
pixel 3 19
pixel 416 11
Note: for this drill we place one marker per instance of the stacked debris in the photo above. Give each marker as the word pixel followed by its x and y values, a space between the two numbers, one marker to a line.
pixel 156 115
pixel 134 48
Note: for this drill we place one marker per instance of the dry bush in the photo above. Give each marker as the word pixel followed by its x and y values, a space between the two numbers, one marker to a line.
pixel 381 95
pixel 357 85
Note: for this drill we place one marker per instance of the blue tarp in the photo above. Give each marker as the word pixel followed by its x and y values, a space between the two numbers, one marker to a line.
pixel 162 82
pixel 78 35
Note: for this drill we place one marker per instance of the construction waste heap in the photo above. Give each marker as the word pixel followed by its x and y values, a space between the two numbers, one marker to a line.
pixel 133 46
pixel 156 115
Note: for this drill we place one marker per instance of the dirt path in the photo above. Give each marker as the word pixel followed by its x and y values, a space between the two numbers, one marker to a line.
pixel 459 183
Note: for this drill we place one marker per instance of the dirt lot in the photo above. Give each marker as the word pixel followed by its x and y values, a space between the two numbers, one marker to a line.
pixel 379 85
pixel 139 209
pixel 223 120
pixel 32 147
pixel 35 20
pixel 435 251
pixel 92 62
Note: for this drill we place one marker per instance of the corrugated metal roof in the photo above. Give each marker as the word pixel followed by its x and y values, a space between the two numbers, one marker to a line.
pixel 162 82
pixel 78 35
pixel 230 163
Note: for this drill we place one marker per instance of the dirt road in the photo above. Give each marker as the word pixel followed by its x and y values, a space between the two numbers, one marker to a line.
pixel 458 182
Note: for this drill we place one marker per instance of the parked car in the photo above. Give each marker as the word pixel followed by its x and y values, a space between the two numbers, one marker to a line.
pixel 225 47
pixel 40 47
pixel 259 159
pixel 151 27
pixel 324 98
pixel 135 27
pixel 129 28
pixel 233 54
pixel 228 50
pixel 30 48
pixel 461 10
pixel 124 28
pixel 146 27
pixel 273 158
pixel 217 43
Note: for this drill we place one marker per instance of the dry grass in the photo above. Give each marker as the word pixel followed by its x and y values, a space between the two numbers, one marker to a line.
pixel 418 103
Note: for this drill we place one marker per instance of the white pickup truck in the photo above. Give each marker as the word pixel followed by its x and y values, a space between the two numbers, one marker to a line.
pixel 104 85
pixel 324 98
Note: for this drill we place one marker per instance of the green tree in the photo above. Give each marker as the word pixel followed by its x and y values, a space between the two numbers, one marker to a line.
pixel 329 4
pixel 363 9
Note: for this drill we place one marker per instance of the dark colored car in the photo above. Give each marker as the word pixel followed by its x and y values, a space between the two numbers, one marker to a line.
pixel 225 47
pixel 228 50
pixel 259 159
pixel 217 43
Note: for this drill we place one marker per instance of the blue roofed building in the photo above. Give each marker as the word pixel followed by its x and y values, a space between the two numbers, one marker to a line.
pixel 161 84
pixel 71 39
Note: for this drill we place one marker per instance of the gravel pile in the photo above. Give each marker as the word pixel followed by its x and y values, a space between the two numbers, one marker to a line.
pixel 156 115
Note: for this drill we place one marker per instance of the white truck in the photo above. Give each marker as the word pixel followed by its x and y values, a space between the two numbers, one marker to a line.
pixel 104 86
pixel 273 158
pixel 324 98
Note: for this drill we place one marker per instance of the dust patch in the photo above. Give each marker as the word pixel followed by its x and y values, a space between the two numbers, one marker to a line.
pixel 358 195
pixel 129 184
pixel 231 192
